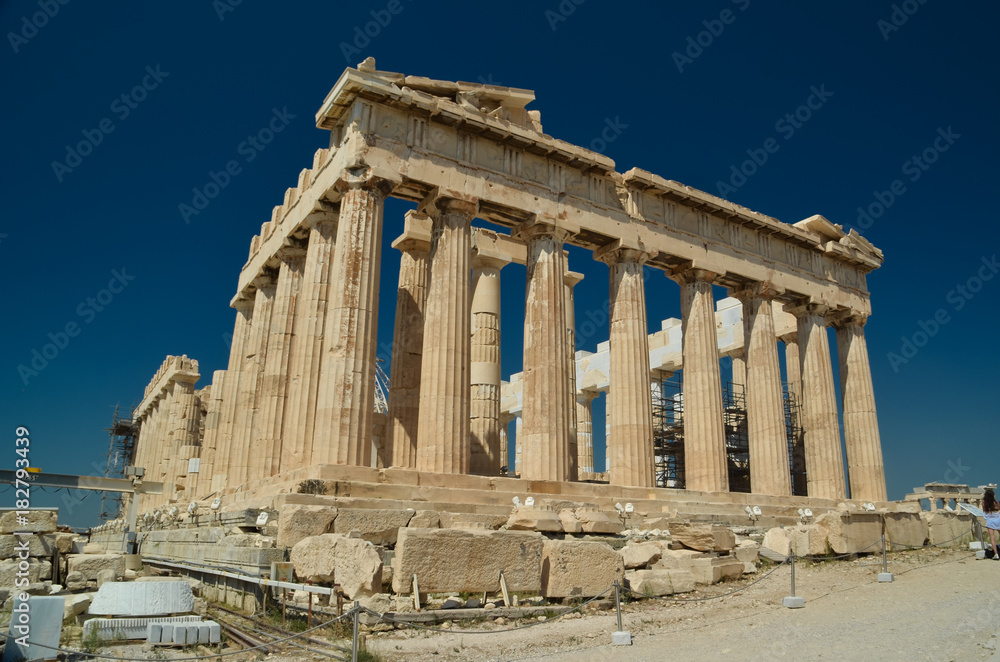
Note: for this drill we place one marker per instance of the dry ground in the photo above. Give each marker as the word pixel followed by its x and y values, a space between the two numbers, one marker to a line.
pixel 943 605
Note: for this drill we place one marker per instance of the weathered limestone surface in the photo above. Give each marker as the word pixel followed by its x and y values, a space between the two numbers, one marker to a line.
pixel 703 537
pixel 534 518
pixel 425 519
pixel 576 568
pixel 804 540
pixel 849 533
pixel 142 598
pixel 593 520
pixel 570 280
pixel 714 570
pixel 408 340
pixel 640 555
pixel 10 569
pixel 704 437
pixel 39 521
pixel 234 375
pixel 585 431
pixel 89 565
pixel 630 403
pixel 297 522
pixel 660 582
pixel 353 563
pixel 864 446
pixel 485 366
pixel 443 428
pixel 378 526
pixel 467 560
pixel 905 529
pixel 38 545
pixel 950 529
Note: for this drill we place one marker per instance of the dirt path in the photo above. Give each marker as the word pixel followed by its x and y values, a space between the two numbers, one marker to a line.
pixel 942 606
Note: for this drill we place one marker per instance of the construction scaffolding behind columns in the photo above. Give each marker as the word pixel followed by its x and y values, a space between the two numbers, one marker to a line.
pixel 121 452
pixel 668 433
pixel 796 450
pixel 734 407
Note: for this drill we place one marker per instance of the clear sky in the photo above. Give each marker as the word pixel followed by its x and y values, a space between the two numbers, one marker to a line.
pixel 115 112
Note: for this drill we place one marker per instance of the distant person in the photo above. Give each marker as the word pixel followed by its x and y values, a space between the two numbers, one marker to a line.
pixel 992 511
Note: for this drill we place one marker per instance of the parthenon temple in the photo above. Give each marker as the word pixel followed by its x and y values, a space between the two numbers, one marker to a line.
pixel 301 398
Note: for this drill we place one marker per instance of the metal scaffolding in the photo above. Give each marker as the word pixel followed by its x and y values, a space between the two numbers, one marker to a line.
pixel 121 451
pixel 734 421
pixel 796 449
pixel 668 433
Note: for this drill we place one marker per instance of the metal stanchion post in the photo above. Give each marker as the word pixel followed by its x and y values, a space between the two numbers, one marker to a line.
pixel 354 641
pixel 792 601
pixel 884 577
pixel 620 637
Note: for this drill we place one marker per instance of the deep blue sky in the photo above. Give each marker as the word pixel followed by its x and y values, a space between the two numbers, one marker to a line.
pixel 222 79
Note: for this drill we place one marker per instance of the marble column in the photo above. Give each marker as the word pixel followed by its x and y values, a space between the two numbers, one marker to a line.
pixel 408 341
pixel 739 369
pixel 443 427
pixel 769 472
pixel 267 434
pixel 705 464
pixel 865 470
pixel 585 431
pixel 518 464
pixel 505 420
pixel 824 460
pixel 227 417
pixel 484 424
pixel 571 280
pixel 346 396
pixel 251 373
pixel 630 400
pixel 186 434
pixel 305 364
pixel 209 443
pixel 547 419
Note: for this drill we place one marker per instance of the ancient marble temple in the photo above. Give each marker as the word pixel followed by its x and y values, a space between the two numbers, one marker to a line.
pixel 300 386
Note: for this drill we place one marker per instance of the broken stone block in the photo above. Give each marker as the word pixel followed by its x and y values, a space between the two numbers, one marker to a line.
pixel 703 537
pixel 298 522
pixel 660 523
pixel 570 523
pixel 660 581
pixel 36 568
pixel 852 532
pixel 89 565
pixel 38 521
pixel 577 568
pixel 377 526
pixel 76 604
pixel 425 519
pixel 105 576
pixel 640 555
pixel 714 570
pixel 467 560
pixel 809 540
pixel 778 540
pixel 39 545
pixel 905 529
pixel 75 581
pixel 138 599
pixel 534 518
pixel 949 529
pixel 594 520
pixel 678 559
pixel 93 548
pixel 471 521
pixel 747 551
pixel 353 563
pixel 64 542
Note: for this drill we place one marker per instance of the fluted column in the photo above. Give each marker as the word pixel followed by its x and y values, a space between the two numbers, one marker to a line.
pixel 209 443
pixel 305 362
pixel 769 472
pixel 408 341
pixel 547 419
pixel 346 396
pixel 629 398
pixel 443 427
pixel 865 470
pixel 484 424
pixel 267 435
pixel 824 460
pixel 518 464
pixel 740 368
pixel 249 389
pixel 705 464
pixel 793 366
pixel 571 280
pixel 227 416
pixel 585 431
pixel 186 435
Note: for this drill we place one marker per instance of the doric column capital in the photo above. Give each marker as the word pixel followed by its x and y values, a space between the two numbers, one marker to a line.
pixel 265 279
pixel 621 251
pixel 325 213
pixel 789 338
pixel 691 274
pixel 756 290
pixel 847 318
pixel 243 304
pixel 539 227
pixel 586 397
pixel 808 309
pixel 291 252
pixel 446 201
pixel 572 278
pixel 416 237
pixel 362 177
pixel 485 261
